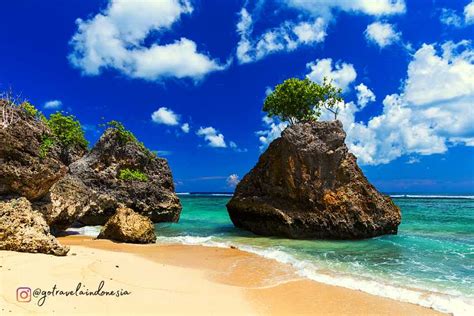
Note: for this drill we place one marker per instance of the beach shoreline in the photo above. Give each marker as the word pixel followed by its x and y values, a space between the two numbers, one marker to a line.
pixel 176 279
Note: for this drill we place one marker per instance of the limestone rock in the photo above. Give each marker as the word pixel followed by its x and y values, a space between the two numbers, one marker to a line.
pixel 24 230
pixel 23 170
pixel 128 226
pixel 99 170
pixel 69 200
pixel 308 185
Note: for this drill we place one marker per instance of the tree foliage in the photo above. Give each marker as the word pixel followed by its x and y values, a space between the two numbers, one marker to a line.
pixel 297 100
pixel 67 130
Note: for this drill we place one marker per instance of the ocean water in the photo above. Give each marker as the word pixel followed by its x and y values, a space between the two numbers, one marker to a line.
pixel 430 262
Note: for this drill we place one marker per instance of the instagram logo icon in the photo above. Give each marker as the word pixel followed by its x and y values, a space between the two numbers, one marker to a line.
pixel 23 294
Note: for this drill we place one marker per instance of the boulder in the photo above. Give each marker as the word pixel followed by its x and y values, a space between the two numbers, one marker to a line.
pixel 308 185
pixel 27 167
pixel 128 226
pixel 24 230
pixel 100 170
pixel 68 200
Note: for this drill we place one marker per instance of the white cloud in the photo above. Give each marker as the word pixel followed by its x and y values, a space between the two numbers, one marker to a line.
pixel 382 34
pixel 451 18
pixel 308 29
pixel 185 128
pixel 413 160
pixel 212 136
pixel 165 116
pixel 364 95
pixel 114 39
pixel 342 74
pixel 232 180
pixel 272 131
pixel 369 7
pixel 236 148
pixel 469 13
pixel 53 104
pixel 432 112
pixel 287 37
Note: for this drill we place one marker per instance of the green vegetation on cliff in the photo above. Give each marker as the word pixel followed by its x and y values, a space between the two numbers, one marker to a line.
pixel 67 130
pixel 132 175
pixel 126 136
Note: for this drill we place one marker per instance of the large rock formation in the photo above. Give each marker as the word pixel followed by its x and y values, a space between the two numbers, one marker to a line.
pixel 128 226
pixel 27 166
pixel 307 185
pixel 22 229
pixel 100 170
pixel 68 200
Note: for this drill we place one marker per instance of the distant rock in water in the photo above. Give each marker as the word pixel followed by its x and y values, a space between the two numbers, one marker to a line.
pixel 24 230
pixel 128 226
pixel 27 166
pixel 308 185
pixel 120 170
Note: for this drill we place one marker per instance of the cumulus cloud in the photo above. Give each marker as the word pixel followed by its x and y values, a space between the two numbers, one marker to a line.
pixel 452 18
pixel 185 128
pixel 115 39
pixel 342 74
pixel 53 104
pixel 286 37
pixel 364 95
pixel 469 13
pixel 232 180
pixel 432 112
pixel 375 8
pixel 273 129
pixel 165 116
pixel 212 136
pixel 308 29
pixel 382 34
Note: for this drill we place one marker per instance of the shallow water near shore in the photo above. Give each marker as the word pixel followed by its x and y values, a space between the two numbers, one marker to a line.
pixel 430 262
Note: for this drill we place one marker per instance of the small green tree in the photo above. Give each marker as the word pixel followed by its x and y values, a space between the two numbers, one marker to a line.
pixel 67 130
pixel 297 100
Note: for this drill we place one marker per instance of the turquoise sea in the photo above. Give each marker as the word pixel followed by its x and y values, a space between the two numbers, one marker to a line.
pixel 430 262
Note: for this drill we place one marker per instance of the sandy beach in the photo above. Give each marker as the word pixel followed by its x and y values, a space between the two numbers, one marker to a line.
pixel 172 280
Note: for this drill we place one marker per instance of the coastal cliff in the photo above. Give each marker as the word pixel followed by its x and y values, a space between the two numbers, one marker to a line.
pixel 308 185
pixel 46 164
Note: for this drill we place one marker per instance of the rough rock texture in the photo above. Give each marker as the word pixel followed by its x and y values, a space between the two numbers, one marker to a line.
pixel 22 171
pixel 128 226
pixel 307 185
pixel 69 199
pixel 99 170
pixel 22 229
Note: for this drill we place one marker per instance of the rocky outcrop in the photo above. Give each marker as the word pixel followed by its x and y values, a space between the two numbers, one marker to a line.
pixel 68 199
pixel 24 230
pixel 100 171
pixel 308 185
pixel 28 165
pixel 128 226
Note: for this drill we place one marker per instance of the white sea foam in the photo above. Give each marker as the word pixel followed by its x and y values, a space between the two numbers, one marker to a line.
pixel 456 305
pixel 416 196
pixel 92 231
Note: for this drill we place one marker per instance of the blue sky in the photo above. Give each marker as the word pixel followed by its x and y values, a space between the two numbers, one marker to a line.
pixel 189 78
